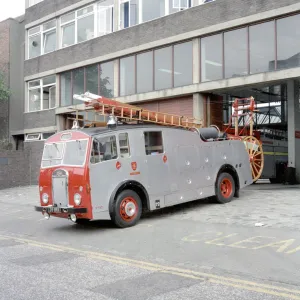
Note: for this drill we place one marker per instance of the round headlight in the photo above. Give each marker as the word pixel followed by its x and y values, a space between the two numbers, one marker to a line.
pixel 45 198
pixel 77 199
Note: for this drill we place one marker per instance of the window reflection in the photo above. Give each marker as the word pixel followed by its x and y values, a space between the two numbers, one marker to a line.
pixel 145 72
pixel 94 79
pixel 183 64
pixel 235 53
pixel 127 76
pixel 211 58
pixel 163 68
pixel 152 9
pixel 262 50
pixel 288 42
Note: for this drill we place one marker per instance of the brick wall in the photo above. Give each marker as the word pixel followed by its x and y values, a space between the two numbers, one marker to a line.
pixel 20 168
pixel 177 106
pixel 14 169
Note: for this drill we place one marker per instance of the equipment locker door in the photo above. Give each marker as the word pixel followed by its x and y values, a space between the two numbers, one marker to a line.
pixel 156 162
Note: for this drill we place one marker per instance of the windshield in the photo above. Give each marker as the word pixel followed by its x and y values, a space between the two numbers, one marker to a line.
pixel 67 153
pixel 75 153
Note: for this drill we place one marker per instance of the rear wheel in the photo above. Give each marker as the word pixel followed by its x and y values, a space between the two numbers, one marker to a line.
pixel 127 209
pixel 225 188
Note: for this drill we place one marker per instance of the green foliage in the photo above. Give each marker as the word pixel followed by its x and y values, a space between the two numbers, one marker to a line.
pixel 4 91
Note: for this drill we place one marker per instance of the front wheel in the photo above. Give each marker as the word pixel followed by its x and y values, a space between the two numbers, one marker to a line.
pixel 225 188
pixel 127 209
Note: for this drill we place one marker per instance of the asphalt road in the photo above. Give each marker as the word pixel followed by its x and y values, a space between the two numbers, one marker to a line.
pixel 247 249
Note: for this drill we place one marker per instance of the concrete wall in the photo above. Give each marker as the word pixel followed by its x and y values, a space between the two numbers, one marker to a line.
pixel 39 119
pixel 47 7
pixel 202 16
pixel 4 72
pixel 17 86
pixel 35 150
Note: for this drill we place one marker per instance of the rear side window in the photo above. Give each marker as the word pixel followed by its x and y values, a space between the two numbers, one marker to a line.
pixel 124 145
pixel 104 149
pixel 153 142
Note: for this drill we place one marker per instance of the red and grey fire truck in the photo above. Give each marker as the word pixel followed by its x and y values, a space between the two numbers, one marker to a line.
pixel 141 161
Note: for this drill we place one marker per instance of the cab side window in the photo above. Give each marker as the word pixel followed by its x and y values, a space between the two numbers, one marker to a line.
pixel 124 145
pixel 153 142
pixel 104 149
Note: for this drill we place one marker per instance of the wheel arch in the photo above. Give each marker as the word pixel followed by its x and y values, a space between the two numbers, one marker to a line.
pixel 134 186
pixel 227 168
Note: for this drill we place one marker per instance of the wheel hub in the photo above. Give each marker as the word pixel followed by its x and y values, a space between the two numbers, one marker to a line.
pixel 130 209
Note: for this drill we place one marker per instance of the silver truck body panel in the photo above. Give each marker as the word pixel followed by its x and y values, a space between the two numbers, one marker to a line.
pixel 188 173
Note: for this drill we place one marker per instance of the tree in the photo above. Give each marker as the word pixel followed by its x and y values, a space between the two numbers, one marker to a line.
pixel 4 91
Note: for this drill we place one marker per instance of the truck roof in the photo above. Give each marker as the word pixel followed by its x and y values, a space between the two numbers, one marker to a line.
pixel 98 130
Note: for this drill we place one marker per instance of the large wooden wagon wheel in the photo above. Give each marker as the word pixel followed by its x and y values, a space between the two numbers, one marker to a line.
pixel 256 156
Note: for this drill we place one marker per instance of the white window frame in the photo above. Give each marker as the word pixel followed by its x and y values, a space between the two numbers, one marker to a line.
pixel 129 13
pixel 41 86
pixel 103 8
pixel 41 33
pixel 75 21
pixel 54 28
pixel 181 7
pixel 28 137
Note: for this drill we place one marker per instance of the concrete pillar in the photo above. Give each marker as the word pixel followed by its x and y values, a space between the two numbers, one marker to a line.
pixel 116 15
pixel 293 173
pixel 196 60
pixel 116 77
pixel 60 123
pixel 198 107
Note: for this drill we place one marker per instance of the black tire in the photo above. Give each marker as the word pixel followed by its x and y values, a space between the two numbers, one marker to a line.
pixel 225 195
pixel 123 220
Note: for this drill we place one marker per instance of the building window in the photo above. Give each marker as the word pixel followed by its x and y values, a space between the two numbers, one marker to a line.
pixel 42 39
pixel 105 17
pixel 49 37
pixel 178 5
pixel 236 53
pixel 156 70
pixel 34 42
pixel 144 72
pixel 262 50
pixel 163 68
pixel 78 26
pixel 127 76
pixel 85 24
pixel 129 10
pixel 66 97
pixel 211 58
pixel 288 42
pixel 92 82
pixel 183 64
pixel 107 79
pixel 42 93
pixel 151 9
pixel 97 79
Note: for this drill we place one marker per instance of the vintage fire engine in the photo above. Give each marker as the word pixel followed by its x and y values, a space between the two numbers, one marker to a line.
pixel 141 161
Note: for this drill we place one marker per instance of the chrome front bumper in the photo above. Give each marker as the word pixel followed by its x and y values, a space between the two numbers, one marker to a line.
pixel 64 210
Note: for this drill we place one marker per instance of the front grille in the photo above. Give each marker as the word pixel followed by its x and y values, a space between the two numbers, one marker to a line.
pixel 60 180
